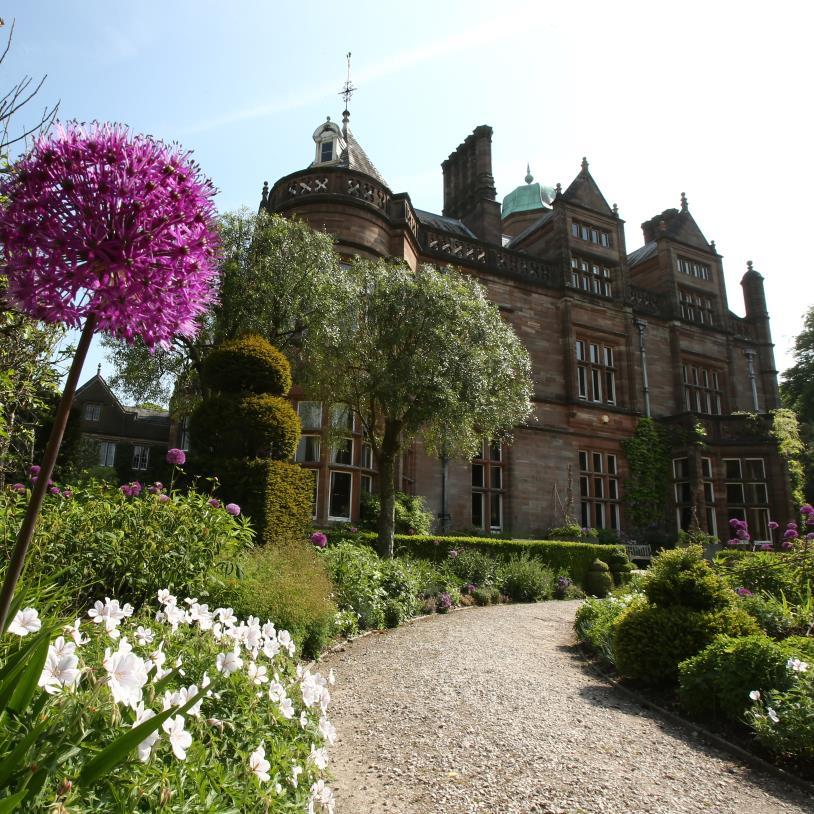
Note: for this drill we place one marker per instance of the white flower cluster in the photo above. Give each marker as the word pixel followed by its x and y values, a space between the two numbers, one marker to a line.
pixel 797 666
pixel 249 642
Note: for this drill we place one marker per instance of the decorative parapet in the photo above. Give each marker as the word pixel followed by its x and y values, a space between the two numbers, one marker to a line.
pixel 741 328
pixel 329 181
pixel 644 301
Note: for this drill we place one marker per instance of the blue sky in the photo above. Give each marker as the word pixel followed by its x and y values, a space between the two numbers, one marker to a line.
pixel 708 98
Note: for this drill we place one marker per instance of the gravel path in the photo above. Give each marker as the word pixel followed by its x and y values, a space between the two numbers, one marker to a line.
pixel 490 711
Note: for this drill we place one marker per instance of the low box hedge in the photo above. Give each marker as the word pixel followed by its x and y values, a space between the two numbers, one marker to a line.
pixel 576 558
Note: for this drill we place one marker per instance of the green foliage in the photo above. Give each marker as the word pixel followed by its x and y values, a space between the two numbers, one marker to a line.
pixel 776 574
pixel 287 583
pixel 411 513
pixel 774 616
pixel 598 581
pixel 524 579
pixel 595 621
pixel 719 679
pixel 419 353
pixel 574 533
pixel 475 567
pixel 105 544
pixel 287 512
pixel 649 642
pixel 682 578
pixel 575 558
pixel 786 431
pixel 248 364
pixel 486 596
pixel 648 460
pixel 356 573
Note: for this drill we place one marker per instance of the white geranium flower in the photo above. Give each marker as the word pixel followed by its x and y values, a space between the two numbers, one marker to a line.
pixel 230 662
pixel 279 789
pixel 296 771
pixel 157 658
pixel 180 739
pixel 227 616
pixel 325 700
pixel 259 765
pixel 322 799
pixel 25 621
pixel 311 690
pixel 326 729
pixel 127 674
pixel 145 748
pixel 284 637
pixel 772 715
pixel 271 647
pixel 111 614
pixel 176 615
pixel 253 638
pixel 303 719
pixel 76 634
pixel 319 757
pixel 191 600
pixel 257 673
pixel 144 635
pixel 269 631
pixel 61 667
pixel 796 665
pixel 166 598
pixel 287 708
pixel 276 691
pixel 755 695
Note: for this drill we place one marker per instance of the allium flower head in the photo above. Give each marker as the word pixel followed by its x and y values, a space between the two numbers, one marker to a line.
pixel 319 539
pixel 773 524
pixel 233 509
pixel 176 457
pixel 806 508
pixel 100 221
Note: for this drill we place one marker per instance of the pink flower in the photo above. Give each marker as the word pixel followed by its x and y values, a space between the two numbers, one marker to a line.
pixel 233 509
pixel 773 524
pixel 34 471
pixel 18 487
pixel 102 222
pixel 453 553
pixel 163 498
pixel 319 539
pixel 54 490
pixel 806 508
pixel 176 457
pixel 214 502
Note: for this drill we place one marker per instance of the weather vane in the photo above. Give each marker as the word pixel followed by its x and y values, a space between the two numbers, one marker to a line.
pixel 348 89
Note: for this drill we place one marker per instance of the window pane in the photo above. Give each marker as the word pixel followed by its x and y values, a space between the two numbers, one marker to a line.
pixel 495 451
pixel 340 495
pixel 709 495
pixel 614 516
pixel 327 151
pixel 599 489
pixel 610 386
pixel 496 511
pixel 596 382
pixel 584 489
pixel 366 484
pixel 734 493
pixel 310 413
pixel 496 477
pixel 477 510
pixel 611 464
pixel 343 454
pixel 754 469
pixel 597 462
pixel 308 449
pixel 580 350
pixel 342 417
pixel 732 466
pixel 706 467
pixel 582 383
pixel 583 461
pixel 477 475
pixel 613 489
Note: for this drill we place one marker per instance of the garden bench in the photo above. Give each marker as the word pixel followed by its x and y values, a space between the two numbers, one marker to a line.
pixel 637 551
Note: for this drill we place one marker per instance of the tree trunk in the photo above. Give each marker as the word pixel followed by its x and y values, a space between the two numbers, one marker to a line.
pixel 387 490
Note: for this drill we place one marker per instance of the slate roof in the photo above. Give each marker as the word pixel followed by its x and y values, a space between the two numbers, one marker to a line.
pixel 355 158
pixel 644 253
pixel 445 224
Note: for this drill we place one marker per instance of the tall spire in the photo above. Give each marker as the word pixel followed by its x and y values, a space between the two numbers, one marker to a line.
pixel 346 93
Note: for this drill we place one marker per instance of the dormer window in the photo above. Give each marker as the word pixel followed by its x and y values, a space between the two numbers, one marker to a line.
pixel 326 151
pixel 329 143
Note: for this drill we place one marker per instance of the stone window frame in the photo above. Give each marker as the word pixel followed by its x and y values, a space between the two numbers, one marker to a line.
pixel 756 512
pixel 588 231
pixel 591 276
pixel 702 387
pixel 697 307
pixel 693 268
pixel 489 490
pixel 106 458
pixel 596 370
pixel 92 411
pixel 140 460
pixel 600 489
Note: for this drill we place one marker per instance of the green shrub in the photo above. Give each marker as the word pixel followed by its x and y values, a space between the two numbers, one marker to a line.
pixel 682 578
pixel 572 532
pixel 595 621
pixel 288 490
pixel 775 618
pixel 411 513
pixel 599 581
pixel 762 572
pixel 357 575
pixel 524 579
pixel 719 679
pixel 575 558
pixel 249 364
pixel 286 583
pixel 484 596
pixel 649 642
pixel 475 567
pixel 105 544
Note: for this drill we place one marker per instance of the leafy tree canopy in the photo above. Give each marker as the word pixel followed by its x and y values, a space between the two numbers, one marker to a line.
pixel 422 353
pixel 276 279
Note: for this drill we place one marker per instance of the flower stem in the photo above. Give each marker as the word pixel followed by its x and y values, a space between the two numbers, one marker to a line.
pixel 26 533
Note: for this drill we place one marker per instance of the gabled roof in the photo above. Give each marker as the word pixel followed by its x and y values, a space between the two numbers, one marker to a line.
pixel 532 227
pixel 355 158
pixel 678 225
pixel 584 191
pixel 644 253
pixel 444 223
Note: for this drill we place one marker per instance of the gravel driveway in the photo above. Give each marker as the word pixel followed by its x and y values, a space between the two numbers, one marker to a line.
pixel 489 711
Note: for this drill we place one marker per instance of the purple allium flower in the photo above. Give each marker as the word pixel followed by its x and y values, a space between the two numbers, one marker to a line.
pixel 742 534
pixel 767 547
pixel 54 490
pixel 791 524
pixel 126 490
pixel 564 582
pixel 810 520
pixel 743 592
pixel 233 509
pixel 34 471
pixel 33 480
pixel 67 494
pixel 453 553
pixel 790 534
pixel 18 487
pixel 214 502
pixel 786 545
pixel 101 222
pixel 734 522
pixel 810 535
pixel 319 539
pixel 353 529
pixel 444 602
pixel 773 524
pixel 163 498
pixel 176 457
pixel 806 508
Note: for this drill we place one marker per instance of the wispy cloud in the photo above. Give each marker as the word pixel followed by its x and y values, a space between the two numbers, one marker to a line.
pixel 489 31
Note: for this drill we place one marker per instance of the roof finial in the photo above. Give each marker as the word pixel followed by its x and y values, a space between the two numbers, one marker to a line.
pixel 346 93
pixel 749 266
pixel 99 369
pixel 615 211
pixel 712 246
pixel 584 164
pixel 529 177
pixel 558 189
pixel 265 194
pixel 684 202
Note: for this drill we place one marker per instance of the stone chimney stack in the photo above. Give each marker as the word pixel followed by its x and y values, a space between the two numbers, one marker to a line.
pixel 469 187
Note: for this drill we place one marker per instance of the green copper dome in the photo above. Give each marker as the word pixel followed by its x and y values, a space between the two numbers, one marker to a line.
pixel 527 198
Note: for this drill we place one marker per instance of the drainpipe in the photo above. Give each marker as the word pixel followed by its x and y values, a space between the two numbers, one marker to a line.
pixel 641 326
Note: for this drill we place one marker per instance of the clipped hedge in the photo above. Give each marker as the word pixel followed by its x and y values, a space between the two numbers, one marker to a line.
pixel 248 364
pixel 287 502
pixel 575 558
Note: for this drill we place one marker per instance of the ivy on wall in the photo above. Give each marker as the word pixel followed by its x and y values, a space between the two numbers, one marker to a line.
pixel 786 431
pixel 648 462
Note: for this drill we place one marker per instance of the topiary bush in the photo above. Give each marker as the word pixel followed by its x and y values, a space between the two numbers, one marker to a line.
pixel 524 579
pixel 287 502
pixel 650 642
pixel 719 679
pixel 599 581
pixel 682 578
pixel 248 364
pixel 595 621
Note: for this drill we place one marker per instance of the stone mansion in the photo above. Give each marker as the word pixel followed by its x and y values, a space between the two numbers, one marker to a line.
pixel 613 336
